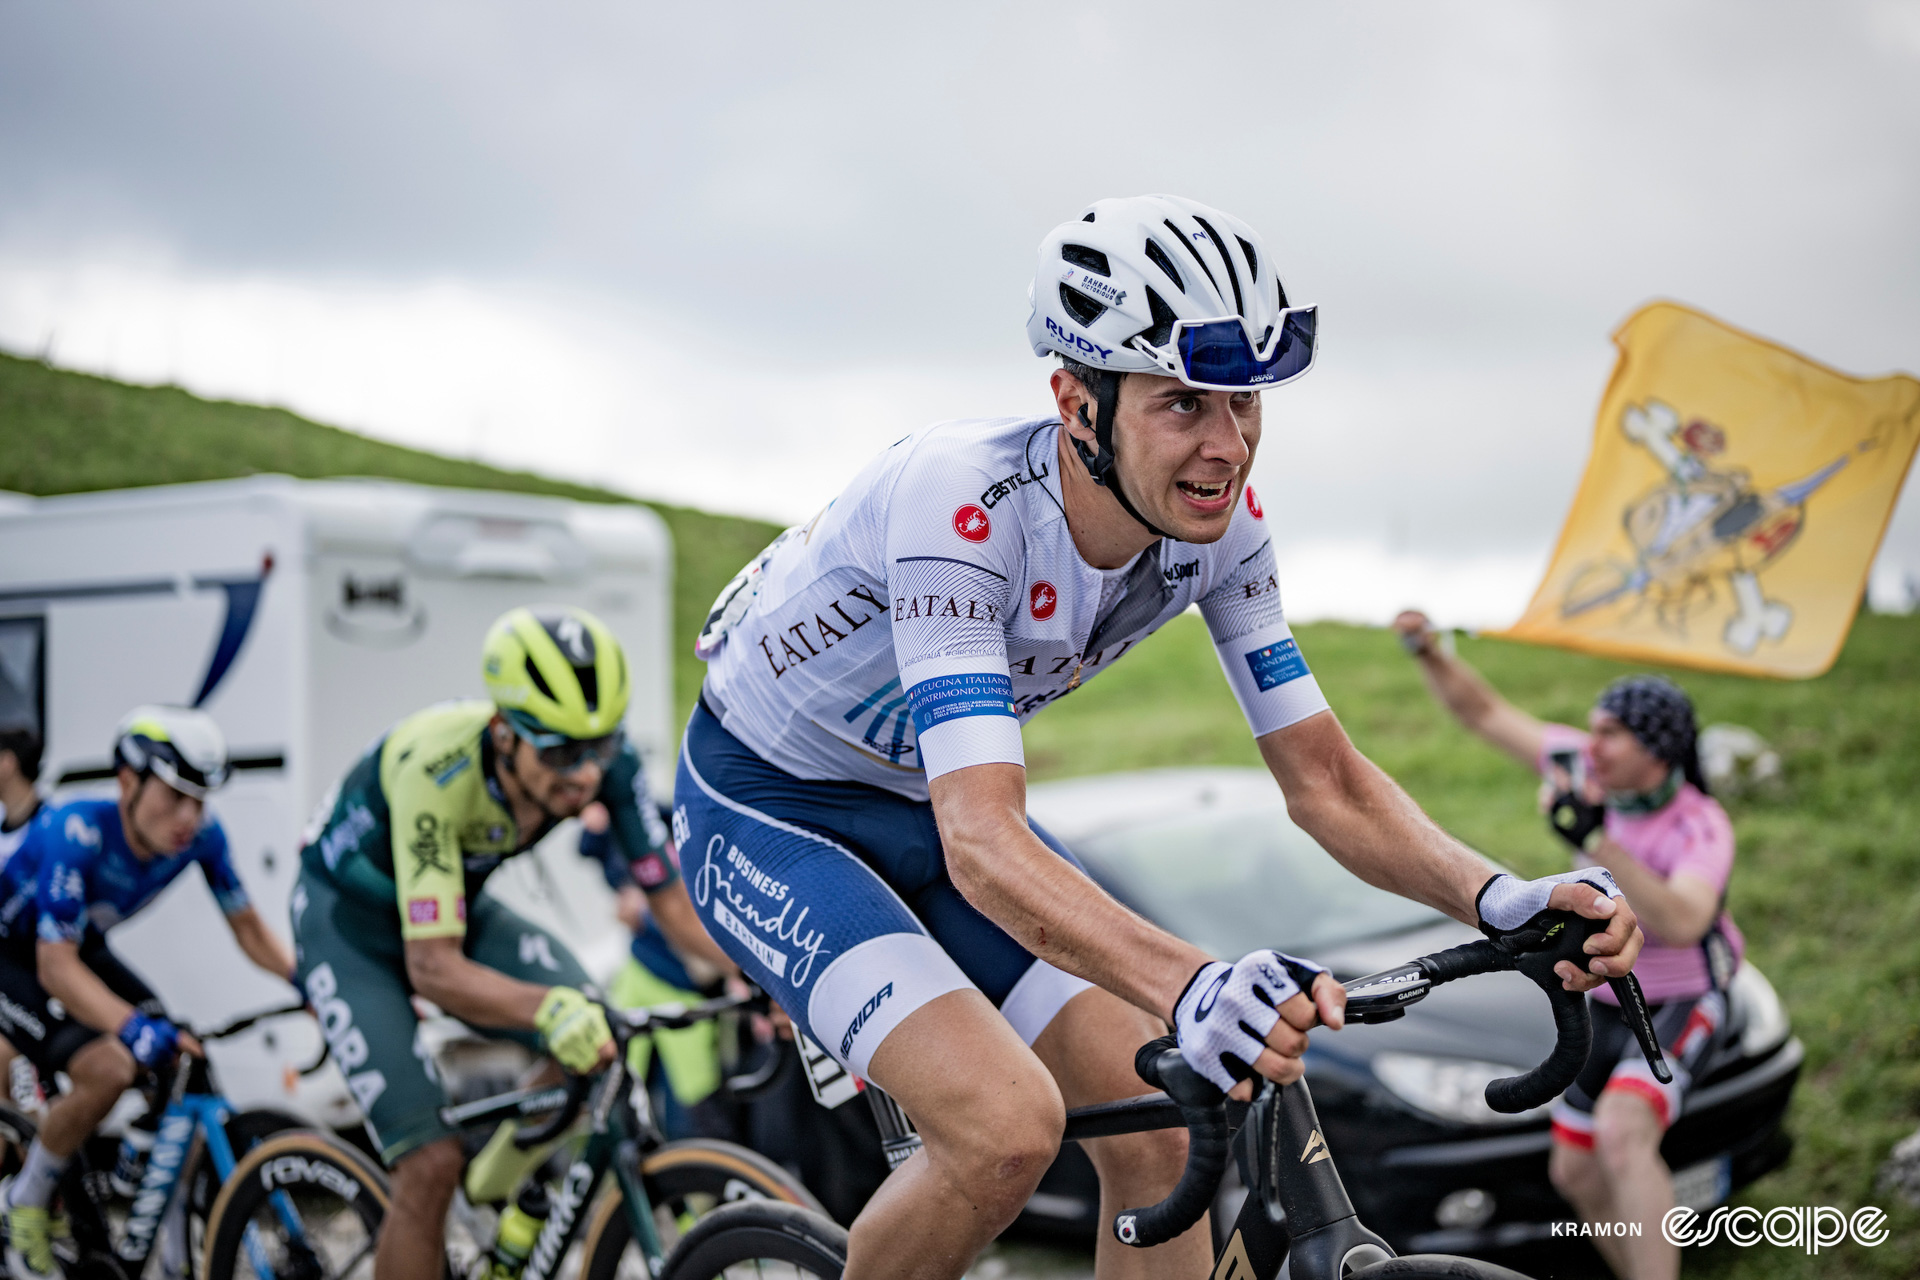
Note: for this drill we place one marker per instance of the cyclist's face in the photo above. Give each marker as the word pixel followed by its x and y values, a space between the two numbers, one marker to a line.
pixel 563 795
pixel 1621 762
pixel 157 819
pixel 1185 454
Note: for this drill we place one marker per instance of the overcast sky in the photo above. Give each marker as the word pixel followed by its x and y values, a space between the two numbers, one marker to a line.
pixel 721 254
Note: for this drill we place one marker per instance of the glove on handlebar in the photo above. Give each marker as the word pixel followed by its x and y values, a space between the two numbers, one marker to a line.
pixel 1222 1019
pixel 573 1028
pixel 150 1040
pixel 1574 819
pixel 1506 902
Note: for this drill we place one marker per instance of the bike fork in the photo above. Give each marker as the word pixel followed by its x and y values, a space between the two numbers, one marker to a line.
pixel 1296 1203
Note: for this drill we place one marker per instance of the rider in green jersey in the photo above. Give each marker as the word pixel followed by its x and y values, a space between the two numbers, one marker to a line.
pixel 389 907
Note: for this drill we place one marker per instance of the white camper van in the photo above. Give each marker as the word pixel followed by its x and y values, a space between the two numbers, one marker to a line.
pixel 306 617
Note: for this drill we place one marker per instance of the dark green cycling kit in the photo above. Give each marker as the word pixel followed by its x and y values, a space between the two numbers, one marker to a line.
pixel 399 852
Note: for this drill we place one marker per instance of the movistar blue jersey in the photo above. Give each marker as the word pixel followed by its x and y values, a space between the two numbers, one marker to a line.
pixel 74 871
pixel 910 628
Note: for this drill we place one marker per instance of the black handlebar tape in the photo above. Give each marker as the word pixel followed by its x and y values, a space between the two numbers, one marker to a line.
pixel 1465 961
pixel 1633 1010
pixel 1573 1031
pixel 527 1139
pixel 1209 1147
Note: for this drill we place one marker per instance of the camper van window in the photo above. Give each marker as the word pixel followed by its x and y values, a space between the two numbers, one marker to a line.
pixel 23 689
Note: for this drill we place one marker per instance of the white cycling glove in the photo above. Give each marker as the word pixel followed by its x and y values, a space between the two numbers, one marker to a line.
pixel 1222 1019
pixel 1506 902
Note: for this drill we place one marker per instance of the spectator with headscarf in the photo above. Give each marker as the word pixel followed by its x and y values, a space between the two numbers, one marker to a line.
pixel 1626 794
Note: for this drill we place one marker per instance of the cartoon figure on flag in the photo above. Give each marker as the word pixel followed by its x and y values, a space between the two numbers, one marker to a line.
pixel 1700 532
pixel 1731 507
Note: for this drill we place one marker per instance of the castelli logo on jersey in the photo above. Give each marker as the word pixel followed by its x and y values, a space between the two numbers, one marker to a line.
pixel 1253 505
pixel 1041 600
pixel 971 523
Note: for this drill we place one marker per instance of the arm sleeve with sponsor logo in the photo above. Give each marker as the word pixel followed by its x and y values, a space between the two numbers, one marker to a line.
pixel 61 895
pixel 1252 640
pixel 950 566
pixel 428 874
pixel 216 864
pixel 638 833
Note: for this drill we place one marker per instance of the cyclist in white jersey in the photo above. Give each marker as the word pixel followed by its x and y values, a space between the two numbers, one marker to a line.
pixel 850 803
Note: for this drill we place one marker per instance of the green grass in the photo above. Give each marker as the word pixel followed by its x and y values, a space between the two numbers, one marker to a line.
pixel 63 432
pixel 1826 886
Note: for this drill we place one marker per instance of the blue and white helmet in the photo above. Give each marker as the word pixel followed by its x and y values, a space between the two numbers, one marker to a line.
pixel 181 746
pixel 1114 283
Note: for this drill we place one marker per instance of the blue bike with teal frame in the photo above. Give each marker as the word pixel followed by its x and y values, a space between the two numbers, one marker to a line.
pixel 200 1138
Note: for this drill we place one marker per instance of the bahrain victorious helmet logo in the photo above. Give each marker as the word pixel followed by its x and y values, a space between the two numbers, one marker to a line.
pixel 1703 530
pixel 971 523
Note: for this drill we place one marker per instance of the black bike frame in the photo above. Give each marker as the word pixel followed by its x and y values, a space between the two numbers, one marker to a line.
pixel 611 1145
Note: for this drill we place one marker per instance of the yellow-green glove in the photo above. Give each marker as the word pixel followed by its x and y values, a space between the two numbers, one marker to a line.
pixel 573 1027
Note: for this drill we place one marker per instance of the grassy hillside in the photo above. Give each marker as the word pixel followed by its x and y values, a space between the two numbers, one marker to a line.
pixel 1828 880
pixel 1827 885
pixel 64 432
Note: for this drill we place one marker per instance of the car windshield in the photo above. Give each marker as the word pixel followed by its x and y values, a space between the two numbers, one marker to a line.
pixel 1237 881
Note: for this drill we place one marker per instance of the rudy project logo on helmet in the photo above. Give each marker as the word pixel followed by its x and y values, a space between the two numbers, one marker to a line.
pixel 971 523
pixel 1077 342
pixel 1042 599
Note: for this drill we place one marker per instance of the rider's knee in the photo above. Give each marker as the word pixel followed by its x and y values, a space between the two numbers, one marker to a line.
pixel 1574 1172
pixel 431 1171
pixel 1150 1160
pixel 1625 1133
pixel 103 1065
pixel 1005 1147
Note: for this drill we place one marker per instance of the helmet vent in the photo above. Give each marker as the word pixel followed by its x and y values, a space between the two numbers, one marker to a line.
pixel 1163 318
pixel 1088 217
pixel 589 686
pixel 539 681
pixel 1081 256
pixel 1080 306
pixel 1193 253
pixel 1253 260
pixel 1158 257
pixel 1233 277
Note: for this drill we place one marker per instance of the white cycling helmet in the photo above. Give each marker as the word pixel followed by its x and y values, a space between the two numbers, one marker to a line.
pixel 1163 285
pixel 1158 284
pixel 182 747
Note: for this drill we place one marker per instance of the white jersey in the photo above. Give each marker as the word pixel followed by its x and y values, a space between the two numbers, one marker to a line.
pixel 939 601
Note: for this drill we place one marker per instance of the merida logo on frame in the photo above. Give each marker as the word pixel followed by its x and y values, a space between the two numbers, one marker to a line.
pixel 1812 1228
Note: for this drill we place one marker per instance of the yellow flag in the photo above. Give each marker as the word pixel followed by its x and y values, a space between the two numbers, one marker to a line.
pixel 1732 506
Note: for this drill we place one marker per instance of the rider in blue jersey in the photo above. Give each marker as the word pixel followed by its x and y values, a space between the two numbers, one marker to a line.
pixel 66 1001
pixel 850 806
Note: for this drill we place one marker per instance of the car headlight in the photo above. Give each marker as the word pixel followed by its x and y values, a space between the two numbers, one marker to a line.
pixel 1767 1023
pixel 1451 1088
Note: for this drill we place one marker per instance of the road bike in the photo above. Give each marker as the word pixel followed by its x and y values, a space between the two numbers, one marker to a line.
pixel 201 1136
pixel 624 1195
pixel 1297 1212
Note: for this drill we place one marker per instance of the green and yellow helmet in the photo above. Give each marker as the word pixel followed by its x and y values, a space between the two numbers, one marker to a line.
pixel 556 670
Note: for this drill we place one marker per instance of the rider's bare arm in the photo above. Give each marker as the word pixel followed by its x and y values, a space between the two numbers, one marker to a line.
pixel 67 979
pixel 1473 702
pixel 261 944
pixel 1375 830
pixel 1051 907
pixel 678 920
pixel 473 993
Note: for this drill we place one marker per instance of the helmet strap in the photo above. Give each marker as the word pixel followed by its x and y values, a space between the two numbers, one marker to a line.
pixel 1102 465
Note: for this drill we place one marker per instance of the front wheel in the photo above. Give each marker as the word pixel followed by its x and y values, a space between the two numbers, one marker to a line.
pixel 1435 1266
pixel 684 1181
pixel 760 1238
pixel 301 1206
